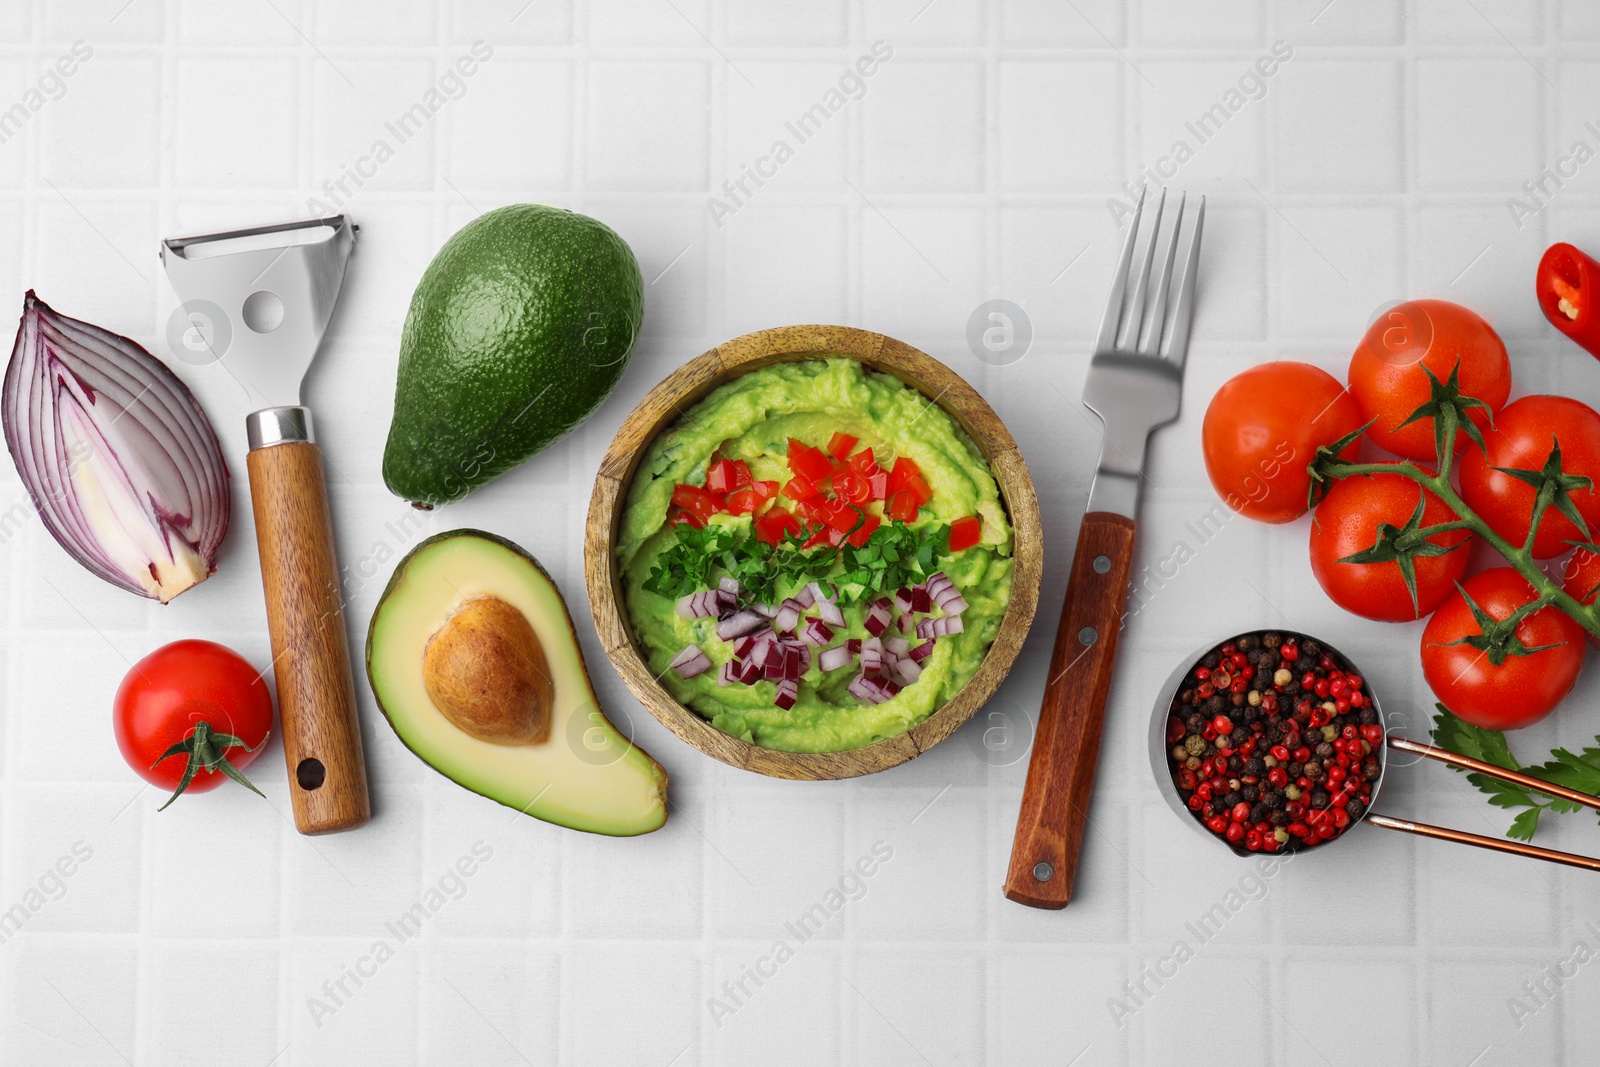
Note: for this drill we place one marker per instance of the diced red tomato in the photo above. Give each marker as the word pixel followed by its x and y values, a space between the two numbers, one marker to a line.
pixel 859 538
pixel 964 533
pixel 695 500
pixel 808 462
pixel 680 516
pixel 773 526
pixel 902 506
pixel 907 477
pixel 798 489
pixel 863 463
pixel 878 485
pixel 823 536
pixel 765 490
pixel 835 514
pixel 841 444
pixel 743 501
pixel 724 476
pixel 848 485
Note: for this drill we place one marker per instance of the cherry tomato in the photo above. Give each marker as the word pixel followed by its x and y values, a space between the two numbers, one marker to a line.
pixel 966 532
pixel 1388 380
pixel 167 697
pixel 1521 440
pixel 1347 522
pixel 1262 429
pixel 1582 581
pixel 1519 690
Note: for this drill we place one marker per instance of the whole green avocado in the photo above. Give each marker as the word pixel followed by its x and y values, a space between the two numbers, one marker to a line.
pixel 520 327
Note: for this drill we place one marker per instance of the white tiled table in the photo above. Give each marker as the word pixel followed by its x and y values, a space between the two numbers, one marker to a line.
pixel 1376 164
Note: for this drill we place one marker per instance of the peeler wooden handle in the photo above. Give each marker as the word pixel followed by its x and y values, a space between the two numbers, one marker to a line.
pixel 305 614
pixel 1055 801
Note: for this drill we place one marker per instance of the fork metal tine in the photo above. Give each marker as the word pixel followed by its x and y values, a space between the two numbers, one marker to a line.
pixel 1110 324
pixel 1183 312
pixel 1141 284
pixel 1155 320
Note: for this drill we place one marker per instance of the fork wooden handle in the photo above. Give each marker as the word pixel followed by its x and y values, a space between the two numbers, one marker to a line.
pixel 310 655
pixel 1055 801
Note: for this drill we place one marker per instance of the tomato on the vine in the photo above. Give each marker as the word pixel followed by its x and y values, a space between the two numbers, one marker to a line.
pixel 1347 523
pixel 1522 438
pixel 190 714
pixel 1264 427
pixel 1583 580
pixel 1493 679
pixel 1389 371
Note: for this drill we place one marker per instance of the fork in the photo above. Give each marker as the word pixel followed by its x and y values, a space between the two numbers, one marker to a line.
pixel 1134 385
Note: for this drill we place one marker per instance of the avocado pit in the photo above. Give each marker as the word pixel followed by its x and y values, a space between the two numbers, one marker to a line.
pixel 486 672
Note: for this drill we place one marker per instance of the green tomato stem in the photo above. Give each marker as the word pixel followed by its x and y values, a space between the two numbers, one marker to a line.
pixel 1520 558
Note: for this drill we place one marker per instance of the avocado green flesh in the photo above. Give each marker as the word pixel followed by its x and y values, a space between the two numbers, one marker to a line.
pixel 751 418
pixel 586 776
pixel 520 327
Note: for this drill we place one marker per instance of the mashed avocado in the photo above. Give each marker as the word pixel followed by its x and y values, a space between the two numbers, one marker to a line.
pixel 751 419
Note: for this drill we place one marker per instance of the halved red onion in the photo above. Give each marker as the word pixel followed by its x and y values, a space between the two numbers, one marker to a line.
pixel 943 626
pixel 788 693
pixel 118 457
pixel 907 670
pixel 690 662
pixel 920 653
pixel 701 605
pixel 877 620
pixel 831 659
pixel 739 623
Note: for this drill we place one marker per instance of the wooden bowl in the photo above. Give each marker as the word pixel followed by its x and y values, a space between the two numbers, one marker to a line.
pixel 688 384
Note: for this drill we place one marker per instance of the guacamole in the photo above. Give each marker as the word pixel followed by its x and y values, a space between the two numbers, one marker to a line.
pixel 757 420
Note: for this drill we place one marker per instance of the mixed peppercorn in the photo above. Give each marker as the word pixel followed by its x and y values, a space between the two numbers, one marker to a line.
pixel 1274 743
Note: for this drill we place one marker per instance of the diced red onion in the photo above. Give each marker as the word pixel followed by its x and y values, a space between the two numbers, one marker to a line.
pixel 854 644
pixel 831 659
pixel 943 626
pixel 946 595
pixel 793 663
pixel 898 645
pixel 729 584
pixel 872 655
pixel 816 632
pixel 117 457
pixel 907 670
pixel 920 653
pixel 902 600
pixel 955 605
pixel 775 660
pixel 739 623
pixel 742 646
pixel 701 605
pixel 690 662
pixel 902 622
pixel 727 603
pixel 877 620
pixel 728 673
pixel 805 597
pixel 920 600
pixel 830 611
pixel 788 693
pixel 766 611
pixel 788 616
pixel 750 671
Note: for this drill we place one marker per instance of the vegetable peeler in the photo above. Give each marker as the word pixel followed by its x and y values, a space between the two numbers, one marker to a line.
pixel 261 299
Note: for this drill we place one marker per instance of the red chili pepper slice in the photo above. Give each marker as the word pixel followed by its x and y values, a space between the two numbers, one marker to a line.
pixel 1566 285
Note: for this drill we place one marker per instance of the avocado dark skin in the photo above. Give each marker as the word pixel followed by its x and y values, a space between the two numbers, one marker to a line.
pixel 520 327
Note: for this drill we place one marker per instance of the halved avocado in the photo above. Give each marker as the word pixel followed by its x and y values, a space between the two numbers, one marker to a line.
pixel 473 659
